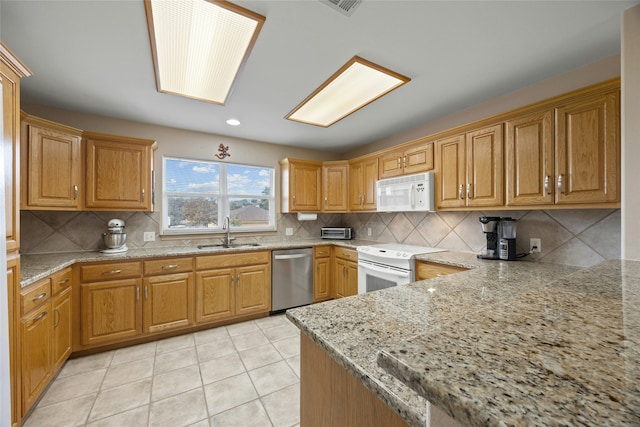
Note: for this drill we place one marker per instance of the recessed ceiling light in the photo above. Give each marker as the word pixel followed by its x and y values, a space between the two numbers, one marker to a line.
pixel 233 122
pixel 358 83
pixel 199 46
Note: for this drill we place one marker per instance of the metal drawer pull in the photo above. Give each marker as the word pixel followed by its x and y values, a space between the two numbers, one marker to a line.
pixel 468 191
pixel 404 162
pixel 346 255
pixel 146 292
pixel 238 281
pixel 143 194
pixel 398 162
pixel 39 297
pixel 62 282
pixel 75 192
pixel 560 183
pixel 112 272
pixel 169 267
pixel 57 321
pixel 40 316
pixel 546 184
pixel 137 293
pixel 461 192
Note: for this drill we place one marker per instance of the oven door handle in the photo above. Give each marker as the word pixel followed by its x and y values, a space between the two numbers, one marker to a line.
pixel 383 270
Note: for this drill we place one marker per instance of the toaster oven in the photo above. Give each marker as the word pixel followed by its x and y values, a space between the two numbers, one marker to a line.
pixel 341 233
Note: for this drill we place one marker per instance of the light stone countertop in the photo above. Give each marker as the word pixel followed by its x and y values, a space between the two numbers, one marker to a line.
pixel 34 267
pixel 504 344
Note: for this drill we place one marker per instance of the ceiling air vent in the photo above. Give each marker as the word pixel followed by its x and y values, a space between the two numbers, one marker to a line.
pixel 346 7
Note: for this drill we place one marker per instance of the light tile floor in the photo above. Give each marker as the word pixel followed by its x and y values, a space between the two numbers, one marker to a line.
pixel 245 374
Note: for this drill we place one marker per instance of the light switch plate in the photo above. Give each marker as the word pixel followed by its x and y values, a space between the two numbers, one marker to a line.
pixel 288 231
pixel 149 236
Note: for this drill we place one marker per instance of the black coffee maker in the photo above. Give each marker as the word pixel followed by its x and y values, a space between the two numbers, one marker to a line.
pixel 501 238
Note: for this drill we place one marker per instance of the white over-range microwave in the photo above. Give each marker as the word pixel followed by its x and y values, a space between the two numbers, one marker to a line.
pixel 406 193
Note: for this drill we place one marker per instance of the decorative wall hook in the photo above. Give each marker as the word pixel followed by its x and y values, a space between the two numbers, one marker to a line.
pixel 223 151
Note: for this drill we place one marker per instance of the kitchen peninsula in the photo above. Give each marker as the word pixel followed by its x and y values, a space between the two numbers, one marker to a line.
pixel 516 343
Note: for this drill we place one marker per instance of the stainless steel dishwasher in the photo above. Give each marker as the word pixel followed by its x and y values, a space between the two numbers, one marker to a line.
pixel 291 278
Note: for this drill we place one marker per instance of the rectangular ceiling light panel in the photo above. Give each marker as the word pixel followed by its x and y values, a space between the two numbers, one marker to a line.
pixel 199 46
pixel 358 83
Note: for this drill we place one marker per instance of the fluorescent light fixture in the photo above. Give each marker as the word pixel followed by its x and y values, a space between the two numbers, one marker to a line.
pixel 233 122
pixel 199 46
pixel 358 83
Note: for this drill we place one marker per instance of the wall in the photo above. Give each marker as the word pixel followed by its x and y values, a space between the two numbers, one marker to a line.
pixel 630 133
pixel 574 237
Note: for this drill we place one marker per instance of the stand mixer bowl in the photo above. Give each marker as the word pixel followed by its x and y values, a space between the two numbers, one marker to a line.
pixel 114 240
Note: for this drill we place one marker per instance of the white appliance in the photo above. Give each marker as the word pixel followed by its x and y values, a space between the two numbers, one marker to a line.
pixel 406 193
pixel 387 265
pixel 115 238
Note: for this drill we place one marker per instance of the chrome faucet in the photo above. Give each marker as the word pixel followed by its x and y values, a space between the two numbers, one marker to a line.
pixel 227 226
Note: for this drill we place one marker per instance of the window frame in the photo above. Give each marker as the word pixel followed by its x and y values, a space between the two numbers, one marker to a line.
pixel 223 196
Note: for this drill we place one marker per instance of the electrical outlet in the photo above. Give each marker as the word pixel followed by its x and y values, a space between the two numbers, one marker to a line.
pixel 369 231
pixel 149 236
pixel 288 231
pixel 537 243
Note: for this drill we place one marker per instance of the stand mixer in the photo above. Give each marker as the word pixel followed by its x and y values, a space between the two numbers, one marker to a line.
pixel 115 237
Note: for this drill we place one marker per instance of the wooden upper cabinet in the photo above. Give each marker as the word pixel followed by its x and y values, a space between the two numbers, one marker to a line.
pixel 51 165
pixel 414 159
pixel 470 169
pixel 529 153
pixel 588 150
pixel 363 175
pixel 335 186
pixel 301 185
pixel 485 167
pixel 451 179
pixel 119 172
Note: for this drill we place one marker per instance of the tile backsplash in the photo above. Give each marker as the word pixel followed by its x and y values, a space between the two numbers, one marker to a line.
pixel 573 237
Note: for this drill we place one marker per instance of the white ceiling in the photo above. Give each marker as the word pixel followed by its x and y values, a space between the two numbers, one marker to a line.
pixel 94 56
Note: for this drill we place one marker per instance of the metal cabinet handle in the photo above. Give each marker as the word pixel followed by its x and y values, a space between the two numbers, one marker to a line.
pixel 560 183
pixel 75 192
pixel 294 200
pixel 143 194
pixel 326 200
pixel 112 272
pixel 56 322
pixel 40 316
pixel 238 280
pixel 404 162
pixel 546 184
pixel 468 191
pixel 398 162
pixel 63 282
pixel 137 293
pixel 461 192
pixel 346 255
pixel 146 292
pixel 169 267
pixel 39 297
pixel 232 280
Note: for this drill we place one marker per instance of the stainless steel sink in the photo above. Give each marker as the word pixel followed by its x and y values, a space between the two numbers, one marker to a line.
pixel 231 246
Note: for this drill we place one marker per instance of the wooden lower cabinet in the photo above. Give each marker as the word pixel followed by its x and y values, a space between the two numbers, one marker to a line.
pixel 61 309
pixel 110 311
pixel 36 353
pixel 331 396
pixel 345 273
pixel 228 292
pixel 430 270
pixel 321 273
pixel 168 302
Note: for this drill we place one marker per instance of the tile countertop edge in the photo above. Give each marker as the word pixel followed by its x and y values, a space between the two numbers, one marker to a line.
pixel 38 266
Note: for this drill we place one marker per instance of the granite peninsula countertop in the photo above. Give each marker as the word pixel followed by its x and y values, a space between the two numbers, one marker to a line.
pixel 503 344
pixel 34 267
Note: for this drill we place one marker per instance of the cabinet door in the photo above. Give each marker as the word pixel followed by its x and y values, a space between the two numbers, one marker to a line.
pixel 215 299
pixel 13 284
pixel 321 277
pixel 351 279
pixel 36 354
pixel 62 328
pixel 253 289
pixel 418 159
pixel 54 169
pixel 110 311
pixel 340 278
pixel 450 182
pixel 306 182
pixel 370 176
pixel 118 175
pixel 356 179
pixel 529 159
pixel 588 150
pixel 168 302
pixel 10 84
pixel 485 167
pixel 335 192
pixel 391 164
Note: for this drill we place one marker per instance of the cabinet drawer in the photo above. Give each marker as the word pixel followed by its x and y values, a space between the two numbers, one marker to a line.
pixel 345 253
pixel 101 272
pixel 167 266
pixel 34 295
pixel 426 270
pixel 322 251
pixel 61 281
pixel 232 260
